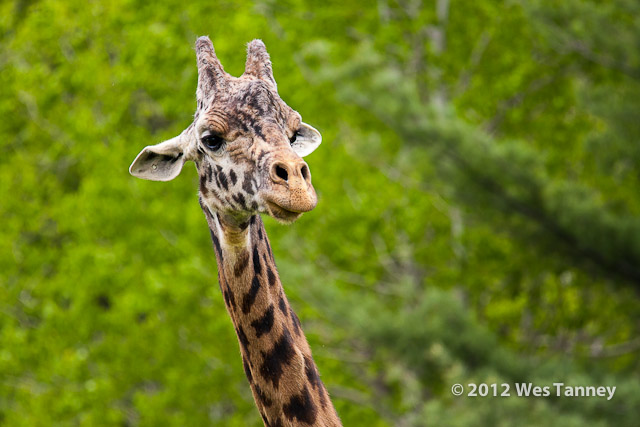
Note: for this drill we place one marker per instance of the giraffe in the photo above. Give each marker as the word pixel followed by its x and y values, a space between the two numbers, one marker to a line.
pixel 247 145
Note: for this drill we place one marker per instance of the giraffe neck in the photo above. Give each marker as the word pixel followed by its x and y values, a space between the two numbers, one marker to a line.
pixel 275 354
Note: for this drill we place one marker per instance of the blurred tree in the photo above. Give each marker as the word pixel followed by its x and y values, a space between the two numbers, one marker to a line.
pixel 478 215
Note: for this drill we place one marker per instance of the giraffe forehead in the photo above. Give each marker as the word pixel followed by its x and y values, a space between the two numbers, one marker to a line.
pixel 249 107
pixel 253 99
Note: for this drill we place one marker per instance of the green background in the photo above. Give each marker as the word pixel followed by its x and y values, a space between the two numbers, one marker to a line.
pixel 478 216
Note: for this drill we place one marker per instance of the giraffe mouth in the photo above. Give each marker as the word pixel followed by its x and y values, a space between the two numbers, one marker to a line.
pixel 281 214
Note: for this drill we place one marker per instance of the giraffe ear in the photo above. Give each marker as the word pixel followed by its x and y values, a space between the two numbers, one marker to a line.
pixel 307 140
pixel 160 162
pixel 259 63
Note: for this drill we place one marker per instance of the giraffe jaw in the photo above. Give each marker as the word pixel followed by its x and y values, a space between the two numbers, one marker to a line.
pixel 281 214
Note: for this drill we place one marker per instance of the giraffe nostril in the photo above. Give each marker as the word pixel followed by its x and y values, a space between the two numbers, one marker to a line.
pixel 282 172
pixel 305 172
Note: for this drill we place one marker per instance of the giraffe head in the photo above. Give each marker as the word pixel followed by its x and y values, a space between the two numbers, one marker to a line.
pixel 247 144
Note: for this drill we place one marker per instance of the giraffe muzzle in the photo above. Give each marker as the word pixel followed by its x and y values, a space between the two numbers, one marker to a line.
pixel 291 192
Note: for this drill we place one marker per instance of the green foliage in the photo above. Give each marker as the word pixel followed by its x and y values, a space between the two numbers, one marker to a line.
pixel 479 215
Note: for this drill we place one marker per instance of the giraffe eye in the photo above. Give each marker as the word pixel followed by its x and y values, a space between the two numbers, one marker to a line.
pixel 212 141
pixel 294 137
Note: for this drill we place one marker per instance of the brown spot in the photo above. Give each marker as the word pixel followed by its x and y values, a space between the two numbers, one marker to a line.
pixel 283 305
pixel 241 263
pixel 242 225
pixel 229 298
pixel 269 249
pixel 216 244
pixel 223 180
pixel 257 267
pixel 275 360
pixel 247 184
pixel 264 419
pixel 239 199
pixel 264 323
pixel 247 370
pixel 209 173
pixel 203 187
pixel 296 322
pixel 301 407
pixel 322 393
pixel 311 371
pixel 215 174
pixel 250 296
pixel 271 276
pixel 242 338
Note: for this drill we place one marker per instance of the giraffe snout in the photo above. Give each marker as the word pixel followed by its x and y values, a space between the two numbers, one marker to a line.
pixel 291 191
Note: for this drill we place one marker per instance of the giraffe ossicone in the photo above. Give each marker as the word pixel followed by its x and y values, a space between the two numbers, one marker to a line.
pixel 248 145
